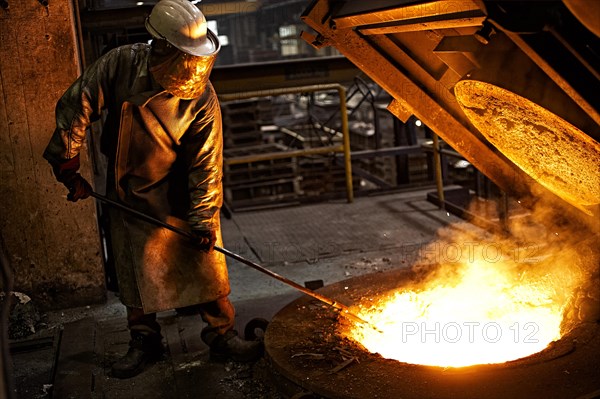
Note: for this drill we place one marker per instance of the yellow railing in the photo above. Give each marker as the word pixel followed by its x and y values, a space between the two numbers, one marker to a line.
pixel 343 148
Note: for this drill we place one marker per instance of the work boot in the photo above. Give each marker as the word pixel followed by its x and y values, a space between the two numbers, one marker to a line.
pixel 230 346
pixel 144 348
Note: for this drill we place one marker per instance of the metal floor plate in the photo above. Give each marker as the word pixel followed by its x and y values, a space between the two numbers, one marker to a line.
pixel 312 232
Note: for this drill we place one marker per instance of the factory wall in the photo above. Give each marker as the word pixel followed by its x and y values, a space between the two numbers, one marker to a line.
pixel 52 244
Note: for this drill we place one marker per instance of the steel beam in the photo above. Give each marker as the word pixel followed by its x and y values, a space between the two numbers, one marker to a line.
pixel 420 102
pixel 237 78
pixel 134 17
pixel 406 13
pixel 552 74
pixel 459 20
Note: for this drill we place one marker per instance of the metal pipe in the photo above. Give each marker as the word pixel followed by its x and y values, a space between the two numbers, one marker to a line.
pixel 6 364
pixel 344 310
pixel 439 179
pixel 283 154
pixel 503 211
pixel 428 147
pixel 277 91
pixel 388 151
pixel 305 89
pixel 346 138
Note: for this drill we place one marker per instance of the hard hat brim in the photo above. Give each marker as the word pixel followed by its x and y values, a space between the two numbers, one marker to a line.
pixel 209 46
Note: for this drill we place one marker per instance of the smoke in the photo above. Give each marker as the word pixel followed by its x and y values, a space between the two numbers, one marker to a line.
pixel 545 257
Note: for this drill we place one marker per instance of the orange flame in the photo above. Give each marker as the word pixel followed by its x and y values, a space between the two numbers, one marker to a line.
pixel 480 309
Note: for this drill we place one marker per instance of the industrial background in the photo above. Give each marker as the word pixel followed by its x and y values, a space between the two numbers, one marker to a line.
pixel 347 151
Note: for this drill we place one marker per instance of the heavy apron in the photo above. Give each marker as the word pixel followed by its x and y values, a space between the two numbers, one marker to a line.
pixel 157 269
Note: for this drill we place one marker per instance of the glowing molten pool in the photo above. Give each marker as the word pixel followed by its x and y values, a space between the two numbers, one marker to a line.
pixel 474 311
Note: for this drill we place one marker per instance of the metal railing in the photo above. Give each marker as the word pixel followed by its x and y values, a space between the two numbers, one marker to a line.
pixel 343 148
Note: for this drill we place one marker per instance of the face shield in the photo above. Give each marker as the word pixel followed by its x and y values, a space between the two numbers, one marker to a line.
pixel 182 75
pixel 184 50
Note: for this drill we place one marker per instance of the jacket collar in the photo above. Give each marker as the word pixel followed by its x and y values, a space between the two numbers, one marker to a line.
pixel 147 87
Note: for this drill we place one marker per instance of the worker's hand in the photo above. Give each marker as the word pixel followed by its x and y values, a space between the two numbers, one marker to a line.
pixel 66 173
pixel 205 239
pixel 79 188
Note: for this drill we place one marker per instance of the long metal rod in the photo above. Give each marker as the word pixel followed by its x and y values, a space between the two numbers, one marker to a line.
pixel 331 302
pixel 341 307
pixel 140 215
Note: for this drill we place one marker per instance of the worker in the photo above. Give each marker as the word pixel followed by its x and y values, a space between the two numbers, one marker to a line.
pixel 162 138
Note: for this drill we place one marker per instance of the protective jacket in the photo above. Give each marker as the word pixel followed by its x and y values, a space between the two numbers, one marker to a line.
pixel 164 159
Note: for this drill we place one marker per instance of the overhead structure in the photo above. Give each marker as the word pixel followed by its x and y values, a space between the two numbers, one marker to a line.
pixel 418 51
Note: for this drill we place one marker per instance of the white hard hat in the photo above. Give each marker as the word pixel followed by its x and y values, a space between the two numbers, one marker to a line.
pixel 183 25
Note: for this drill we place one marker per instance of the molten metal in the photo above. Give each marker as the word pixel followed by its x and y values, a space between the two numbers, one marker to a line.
pixel 484 308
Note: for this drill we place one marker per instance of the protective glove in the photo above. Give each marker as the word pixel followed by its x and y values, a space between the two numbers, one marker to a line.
pixel 66 173
pixel 205 239
pixel 79 188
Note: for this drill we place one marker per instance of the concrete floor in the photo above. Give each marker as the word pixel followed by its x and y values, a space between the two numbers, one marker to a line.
pixel 330 241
